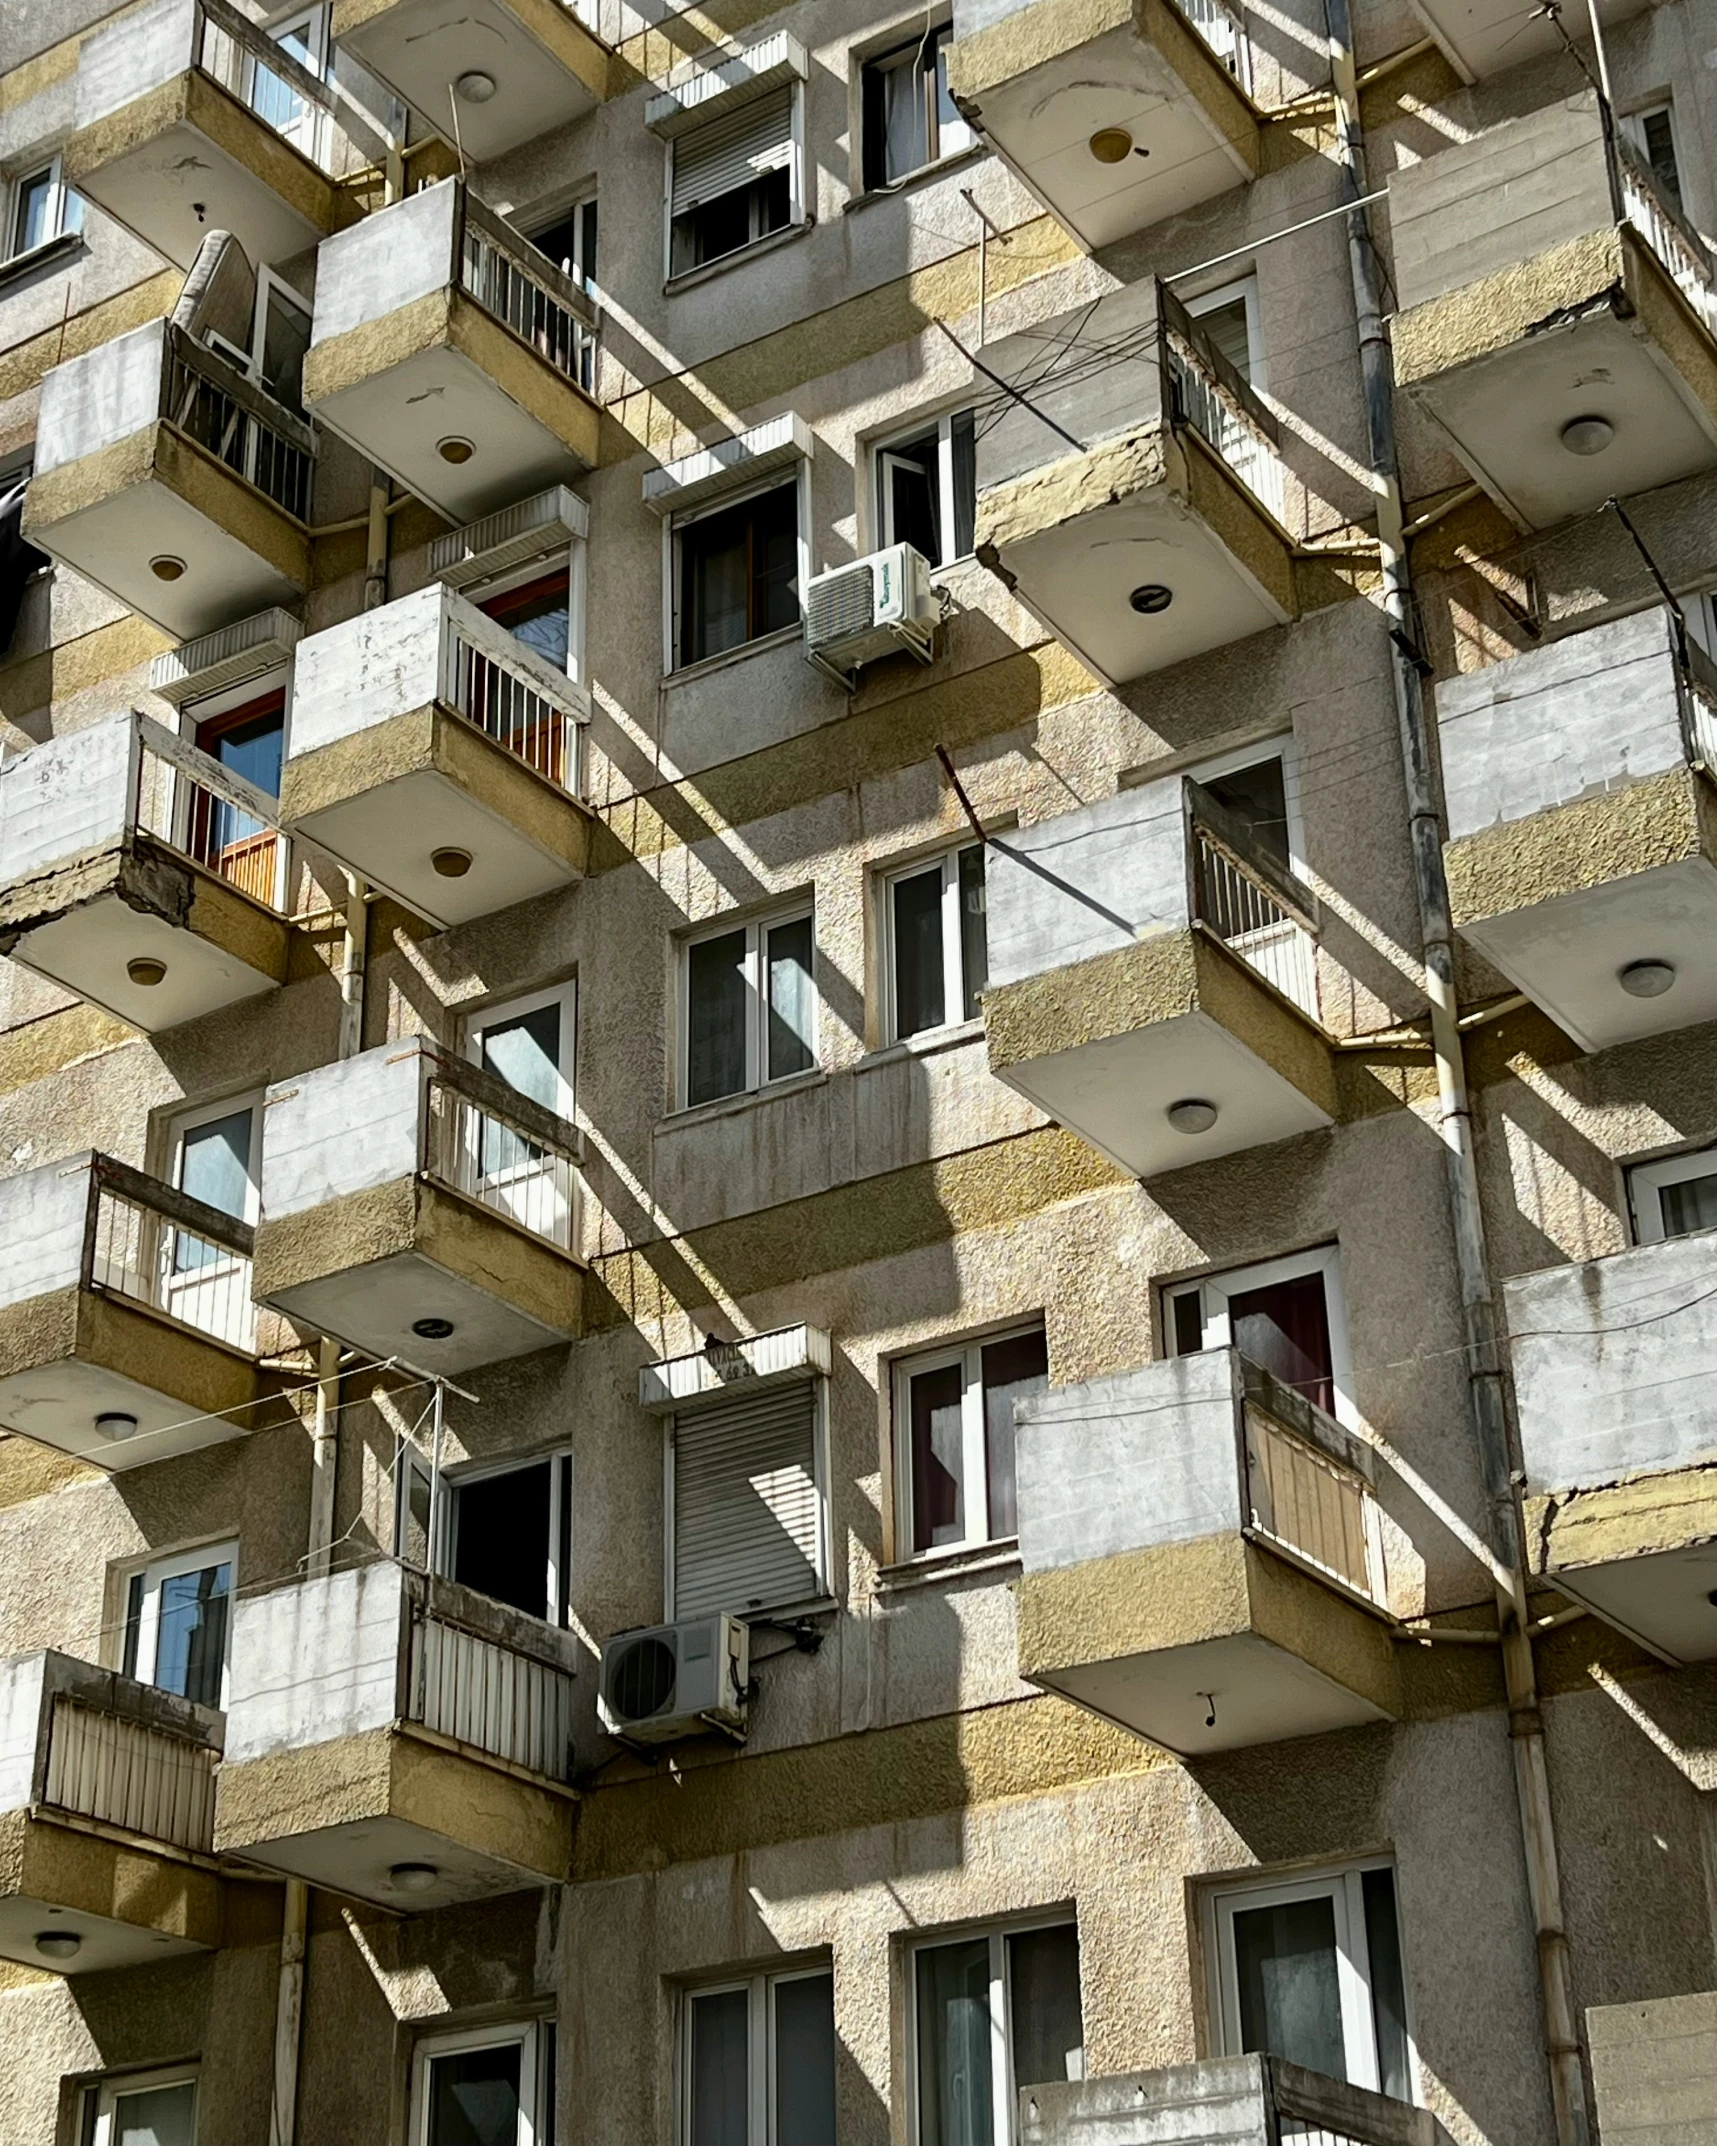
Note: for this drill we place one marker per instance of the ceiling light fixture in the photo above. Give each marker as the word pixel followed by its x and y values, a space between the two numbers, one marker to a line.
pixel 1646 979
pixel 1587 435
pixel 146 971
pixel 167 568
pixel 451 863
pixel 1111 145
pixel 116 1423
pixel 475 87
pixel 432 1329
pixel 413 1877
pixel 1192 1114
pixel 1150 597
pixel 58 1944
pixel 455 450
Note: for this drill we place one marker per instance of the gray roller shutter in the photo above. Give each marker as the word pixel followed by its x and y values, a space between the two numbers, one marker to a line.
pixel 732 151
pixel 747 1513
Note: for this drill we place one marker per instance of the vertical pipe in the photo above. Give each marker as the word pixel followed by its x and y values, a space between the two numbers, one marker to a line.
pixel 1484 1375
pixel 289 2016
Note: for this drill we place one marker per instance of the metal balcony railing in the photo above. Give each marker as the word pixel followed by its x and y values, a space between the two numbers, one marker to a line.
pixel 131 1774
pixel 469 1685
pixel 319 119
pixel 486 1141
pixel 524 290
pixel 1205 392
pixel 1640 201
pixel 1254 905
pixel 509 701
pixel 1304 1495
pixel 189 801
pixel 217 408
pixel 1221 28
pixel 150 1244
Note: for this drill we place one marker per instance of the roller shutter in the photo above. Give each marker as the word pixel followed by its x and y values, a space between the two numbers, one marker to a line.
pixel 733 151
pixel 747 1510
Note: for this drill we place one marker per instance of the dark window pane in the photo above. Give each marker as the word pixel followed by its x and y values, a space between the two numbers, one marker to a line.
pixel 792 1019
pixel 919 1002
pixel 253 749
pixel 805 2061
pixel 963 437
pixel 474 2097
pixel 775 560
pixel 719 2033
pixel 717 1001
pixel 1285 1330
pixel 1290 2001
pixel 536 616
pixel 1660 153
pixel 1256 795
pixel 191 1642
pixel 974 949
pixel 155 2116
pixel 1043 1991
pixel 715 567
pixel 1188 1324
pixel 938 1457
pixel 1689 1206
pixel 525 1052
pixel 1012 1370
pixel 500 1536
pixel 1388 1983
pixel 955 2105
pixel 1224 328
pixel 133 1623
pixel 910 480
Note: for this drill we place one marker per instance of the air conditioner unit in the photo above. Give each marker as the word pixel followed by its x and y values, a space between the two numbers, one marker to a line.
pixel 876 607
pixel 675 1680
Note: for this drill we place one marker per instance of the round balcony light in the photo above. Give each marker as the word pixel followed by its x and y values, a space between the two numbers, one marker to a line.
pixel 58 1944
pixel 1646 979
pixel 475 87
pixel 1191 1115
pixel 116 1423
pixel 1587 435
pixel 451 863
pixel 166 568
pixel 455 450
pixel 146 971
pixel 432 1329
pixel 1150 597
pixel 413 1877
pixel 1111 145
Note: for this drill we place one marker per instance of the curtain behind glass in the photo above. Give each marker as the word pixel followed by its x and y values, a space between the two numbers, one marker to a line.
pixel 1290 1999
pixel 962 432
pixel 1689 1206
pixel 474 2097
pixel 1285 1330
pixel 805 2061
pixel 955 2102
pixel 1044 2012
pixel 716 1003
pixel 919 1000
pixel 720 2034
pixel 787 958
pixel 905 140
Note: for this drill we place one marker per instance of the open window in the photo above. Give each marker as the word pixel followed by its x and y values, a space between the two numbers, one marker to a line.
pixel 926 488
pixel 954 1439
pixel 304 38
pixel 991 2012
pixel 1674 1197
pixel 1228 319
pixel 935 956
pixel 748 1006
pixel 1651 130
pixel 39 208
pixel 531 1043
pixel 757 2060
pixel 503 1529
pixel 736 572
pixel 216 1156
pixel 570 243
pixel 178 1618
pixel 487 2086
pixel 734 180
pixel 910 119
pixel 1286 1316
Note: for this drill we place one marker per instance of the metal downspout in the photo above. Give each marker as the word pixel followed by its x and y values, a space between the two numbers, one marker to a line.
pixel 1455 1125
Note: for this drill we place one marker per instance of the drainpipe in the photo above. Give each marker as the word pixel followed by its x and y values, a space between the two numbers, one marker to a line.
pixel 1455 1124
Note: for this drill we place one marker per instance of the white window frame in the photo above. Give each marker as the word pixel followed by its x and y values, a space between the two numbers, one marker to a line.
pixel 674 527
pixel 953 955
pixel 535 2122
pixel 1245 287
pixel 59 195
pixel 797 218
pixel 107 2092
pixel 1645 1184
pixel 564 995
pixel 1340 1884
pixel 820 1482
pixel 761 2112
pixel 901 51
pixel 974 1450
pixel 1633 126
pixel 443 1536
pixel 1004 2119
pixel 1285 749
pixel 153 1573
pixel 1215 1290
pixel 881 503
pixel 756 930
pixel 307 130
pixel 188 1121
pixel 538 569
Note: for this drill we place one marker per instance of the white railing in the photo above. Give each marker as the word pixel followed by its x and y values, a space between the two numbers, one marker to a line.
pixel 1249 915
pixel 1683 256
pixel 510 702
pixel 1699 706
pixel 1222 30
pixel 1313 1506
pixel 317 118
pixel 501 1153
pixel 177 1256
pixel 1201 400
pixel 128 1774
pixel 523 289
pixel 209 814
pixel 493 1698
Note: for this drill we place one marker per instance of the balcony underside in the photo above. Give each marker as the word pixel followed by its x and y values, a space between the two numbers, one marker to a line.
pixel 343 1814
pixel 130 1907
pixel 1641 1553
pixel 75 1354
pixel 437 369
pixel 1563 901
pixel 385 799
pixel 1046 79
pixel 81 926
pixel 1593 328
pixel 1107 1045
pixel 547 68
pixel 1158 1639
pixel 1486 36
pixel 369 1266
pixel 154 495
pixel 151 164
pixel 1075 538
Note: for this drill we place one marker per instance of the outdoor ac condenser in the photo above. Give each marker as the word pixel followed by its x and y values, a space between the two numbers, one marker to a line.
pixel 675 1680
pixel 879 606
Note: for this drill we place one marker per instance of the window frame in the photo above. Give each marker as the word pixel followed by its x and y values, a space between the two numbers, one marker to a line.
pixel 756 928
pixel 536 2120
pixel 969 1355
pixel 96 2123
pixel 493 1014
pixel 674 528
pixel 760 2045
pixel 1286 749
pixel 798 215
pixel 953 951
pixel 1651 1177
pixel 1242 287
pixel 1341 1884
pixel 1004 2112
pixel 1633 124
pixel 881 503
pixel 188 1121
pixel 64 221
pixel 1215 1291
pixel 223 1550
pixel 925 53
pixel 412 1466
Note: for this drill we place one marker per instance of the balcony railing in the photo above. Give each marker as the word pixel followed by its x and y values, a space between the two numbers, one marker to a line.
pixel 468 1685
pixel 150 1244
pixel 1244 2101
pixel 319 119
pixel 1303 1496
pixel 1256 907
pixel 259 439
pixel 1699 705
pixel 1223 31
pixel 523 289
pixel 209 814
pixel 130 1774
pixel 485 1140
pixel 509 701
pixel 1641 202
pixel 1210 396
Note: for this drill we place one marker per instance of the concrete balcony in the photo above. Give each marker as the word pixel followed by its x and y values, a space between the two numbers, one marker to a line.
pixel 1223 2101
pixel 1144 958
pixel 543 68
pixel 1487 37
pixel 127 1333
pixel 1582 855
pixel 1135 502
pixel 1116 114
pixel 1203 1557
pixel 189 116
pixel 438 757
pixel 170 480
pixel 398 1739
pixel 416 1206
pixel 449 350
pixel 1557 317
pixel 107 1800
pixel 141 874
pixel 1618 1435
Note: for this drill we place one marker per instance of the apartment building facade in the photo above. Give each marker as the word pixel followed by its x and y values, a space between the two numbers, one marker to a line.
pixel 856 1072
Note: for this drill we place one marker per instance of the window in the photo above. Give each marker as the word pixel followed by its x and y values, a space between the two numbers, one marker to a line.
pixel 1228 319
pixel 216 1158
pixel 733 182
pixel 1286 1316
pixel 304 38
pixel 954 1438
pixel 531 1044
pixel 992 2011
pixel 177 1617
pixel 534 608
pixel 144 2109
pixel 748 1007
pixel 1652 133
pixel 42 209
pixel 507 1532
pixel 910 120
pixel 935 960
pixel 757 2061
pixel 747 1527
pixel 1260 786
pixel 1311 1971
pixel 570 243
pixel 737 573
pixel 926 489
pixel 1675 1197
pixel 279 339
pixel 1700 612
pixel 491 2086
